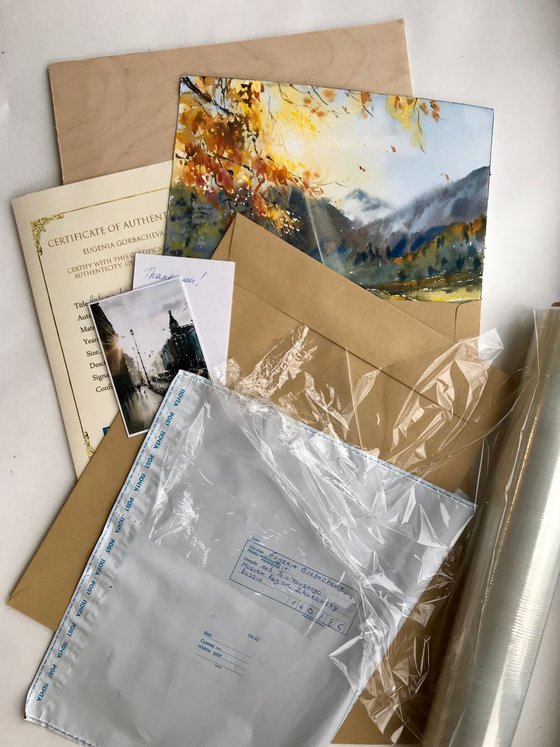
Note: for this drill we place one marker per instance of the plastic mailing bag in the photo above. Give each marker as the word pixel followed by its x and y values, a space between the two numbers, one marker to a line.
pixel 250 577
pixel 440 427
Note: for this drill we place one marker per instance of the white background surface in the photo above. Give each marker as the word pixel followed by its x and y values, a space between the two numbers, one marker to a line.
pixel 504 54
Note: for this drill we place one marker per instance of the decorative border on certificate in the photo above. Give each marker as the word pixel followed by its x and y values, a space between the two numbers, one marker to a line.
pixel 38 227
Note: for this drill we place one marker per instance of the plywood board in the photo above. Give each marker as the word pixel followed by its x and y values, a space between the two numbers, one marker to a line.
pixel 117 113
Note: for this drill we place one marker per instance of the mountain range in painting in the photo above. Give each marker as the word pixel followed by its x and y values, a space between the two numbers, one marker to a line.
pixel 433 245
pixel 393 205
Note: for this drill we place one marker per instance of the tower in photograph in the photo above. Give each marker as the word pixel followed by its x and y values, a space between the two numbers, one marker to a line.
pixel 182 349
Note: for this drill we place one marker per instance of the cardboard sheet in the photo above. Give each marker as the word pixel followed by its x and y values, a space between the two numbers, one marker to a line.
pixel 99 102
pixel 267 306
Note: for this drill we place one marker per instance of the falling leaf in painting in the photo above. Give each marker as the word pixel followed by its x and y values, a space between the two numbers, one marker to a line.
pixel 409 112
pixel 393 149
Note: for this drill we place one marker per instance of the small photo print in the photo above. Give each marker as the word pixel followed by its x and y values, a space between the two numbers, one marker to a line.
pixel 146 335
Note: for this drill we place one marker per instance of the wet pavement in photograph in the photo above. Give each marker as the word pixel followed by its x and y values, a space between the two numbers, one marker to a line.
pixel 139 409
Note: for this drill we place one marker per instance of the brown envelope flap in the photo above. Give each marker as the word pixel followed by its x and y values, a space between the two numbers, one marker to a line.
pixel 99 102
pixel 454 319
pixel 365 412
pixel 320 298
pixel 313 295
pixel 223 249
pixel 467 322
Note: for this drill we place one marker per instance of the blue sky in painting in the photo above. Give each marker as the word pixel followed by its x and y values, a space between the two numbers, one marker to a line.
pixel 453 147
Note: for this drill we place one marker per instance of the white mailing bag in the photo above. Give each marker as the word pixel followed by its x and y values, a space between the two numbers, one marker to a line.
pixel 249 579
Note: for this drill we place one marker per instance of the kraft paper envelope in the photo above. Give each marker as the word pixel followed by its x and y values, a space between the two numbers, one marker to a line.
pixel 117 113
pixel 278 289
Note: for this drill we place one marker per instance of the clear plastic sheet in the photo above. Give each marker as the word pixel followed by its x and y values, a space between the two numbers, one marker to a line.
pixel 438 429
pixel 251 576
pixel 515 566
pixel 432 429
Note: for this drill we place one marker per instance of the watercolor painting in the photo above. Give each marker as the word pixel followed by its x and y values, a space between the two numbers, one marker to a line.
pixel 389 191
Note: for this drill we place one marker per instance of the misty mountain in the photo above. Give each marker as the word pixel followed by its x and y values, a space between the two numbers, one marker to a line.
pixel 433 243
pixel 361 208
pixel 415 225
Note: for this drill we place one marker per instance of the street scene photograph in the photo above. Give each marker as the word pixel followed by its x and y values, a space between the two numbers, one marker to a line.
pixel 146 335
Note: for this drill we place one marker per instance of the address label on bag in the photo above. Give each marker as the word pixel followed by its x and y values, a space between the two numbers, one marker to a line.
pixel 316 596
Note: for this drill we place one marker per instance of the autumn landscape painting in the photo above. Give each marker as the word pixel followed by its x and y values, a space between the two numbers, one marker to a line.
pixel 389 191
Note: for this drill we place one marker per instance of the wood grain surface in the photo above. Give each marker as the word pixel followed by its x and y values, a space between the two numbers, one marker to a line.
pixel 117 113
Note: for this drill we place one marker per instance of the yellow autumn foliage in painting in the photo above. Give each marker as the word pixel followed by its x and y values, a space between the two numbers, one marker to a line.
pixel 409 110
pixel 230 145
